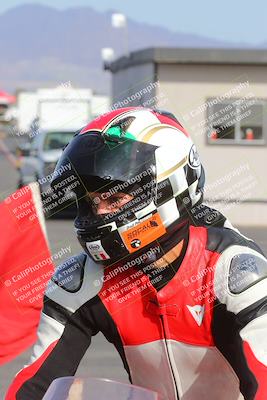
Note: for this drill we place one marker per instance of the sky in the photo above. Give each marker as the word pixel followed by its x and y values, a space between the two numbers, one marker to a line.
pixel 231 20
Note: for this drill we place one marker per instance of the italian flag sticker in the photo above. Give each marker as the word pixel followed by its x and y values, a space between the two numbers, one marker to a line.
pixel 100 256
pixel 97 251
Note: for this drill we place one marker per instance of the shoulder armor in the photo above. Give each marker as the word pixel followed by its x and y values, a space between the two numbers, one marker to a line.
pixel 245 271
pixel 69 275
pixel 75 281
pixel 219 239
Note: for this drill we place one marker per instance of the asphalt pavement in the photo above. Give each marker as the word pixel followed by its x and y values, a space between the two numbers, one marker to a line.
pixel 100 360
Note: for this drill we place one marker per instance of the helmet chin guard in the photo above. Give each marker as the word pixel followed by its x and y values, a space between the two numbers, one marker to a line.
pixel 138 152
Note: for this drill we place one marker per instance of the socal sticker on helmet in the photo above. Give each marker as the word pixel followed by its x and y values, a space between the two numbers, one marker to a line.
pixel 143 233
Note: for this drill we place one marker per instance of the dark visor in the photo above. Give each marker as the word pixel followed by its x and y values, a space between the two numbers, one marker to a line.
pixel 95 163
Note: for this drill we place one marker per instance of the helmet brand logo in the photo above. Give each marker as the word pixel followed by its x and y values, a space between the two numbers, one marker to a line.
pixel 93 246
pixel 193 160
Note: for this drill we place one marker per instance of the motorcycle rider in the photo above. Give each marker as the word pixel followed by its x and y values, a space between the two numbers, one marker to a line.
pixel 179 292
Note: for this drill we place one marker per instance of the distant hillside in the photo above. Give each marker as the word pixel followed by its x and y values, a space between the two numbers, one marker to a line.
pixel 41 45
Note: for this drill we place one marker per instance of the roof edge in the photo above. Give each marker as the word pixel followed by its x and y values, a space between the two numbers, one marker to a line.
pixel 179 55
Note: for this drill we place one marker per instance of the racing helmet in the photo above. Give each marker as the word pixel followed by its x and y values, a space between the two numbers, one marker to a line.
pixel 143 153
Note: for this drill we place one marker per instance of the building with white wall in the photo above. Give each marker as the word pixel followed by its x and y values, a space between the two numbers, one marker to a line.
pixel 220 97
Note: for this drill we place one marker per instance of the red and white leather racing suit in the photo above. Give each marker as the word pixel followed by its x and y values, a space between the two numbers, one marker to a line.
pixel 203 335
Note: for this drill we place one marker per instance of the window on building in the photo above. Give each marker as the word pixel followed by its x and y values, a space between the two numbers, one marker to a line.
pixel 237 121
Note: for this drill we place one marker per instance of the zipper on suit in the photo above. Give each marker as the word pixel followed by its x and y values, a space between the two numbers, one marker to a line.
pixel 169 358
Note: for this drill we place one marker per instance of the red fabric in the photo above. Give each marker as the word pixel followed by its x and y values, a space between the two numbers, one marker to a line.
pixel 101 122
pixel 191 286
pixel 26 267
pixel 28 373
pixel 259 370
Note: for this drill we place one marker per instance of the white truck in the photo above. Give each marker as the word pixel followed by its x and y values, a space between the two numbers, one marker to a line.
pixel 50 117
pixel 61 108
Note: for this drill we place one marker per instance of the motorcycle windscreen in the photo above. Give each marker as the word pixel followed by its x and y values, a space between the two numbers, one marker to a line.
pixel 70 388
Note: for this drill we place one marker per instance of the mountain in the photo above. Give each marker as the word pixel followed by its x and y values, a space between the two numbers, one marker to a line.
pixel 42 46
